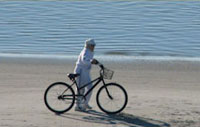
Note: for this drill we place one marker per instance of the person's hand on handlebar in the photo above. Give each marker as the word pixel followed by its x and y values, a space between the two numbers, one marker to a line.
pixel 94 61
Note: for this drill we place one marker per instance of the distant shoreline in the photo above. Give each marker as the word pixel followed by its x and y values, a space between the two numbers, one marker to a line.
pixel 105 58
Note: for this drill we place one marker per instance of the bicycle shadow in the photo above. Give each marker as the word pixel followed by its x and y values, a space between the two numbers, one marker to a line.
pixel 125 119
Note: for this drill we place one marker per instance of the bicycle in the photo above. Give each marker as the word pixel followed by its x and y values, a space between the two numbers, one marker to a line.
pixel 111 98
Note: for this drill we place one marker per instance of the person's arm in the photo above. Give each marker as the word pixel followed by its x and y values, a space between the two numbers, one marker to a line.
pixel 86 59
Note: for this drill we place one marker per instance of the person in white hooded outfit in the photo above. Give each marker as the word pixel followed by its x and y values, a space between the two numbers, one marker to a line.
pixel 83 67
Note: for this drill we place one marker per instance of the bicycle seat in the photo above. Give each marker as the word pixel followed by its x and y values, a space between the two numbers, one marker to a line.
pixel 72 76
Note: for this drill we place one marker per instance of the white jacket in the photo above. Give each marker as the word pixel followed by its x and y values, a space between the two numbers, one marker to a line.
pixel 84 59
pixel 83 66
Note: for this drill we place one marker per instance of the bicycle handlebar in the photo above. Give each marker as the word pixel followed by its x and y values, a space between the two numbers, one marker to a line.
pixel 102 68
pixel 101 65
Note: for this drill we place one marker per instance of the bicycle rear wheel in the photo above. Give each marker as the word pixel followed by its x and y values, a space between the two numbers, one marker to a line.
pixel 59 97
pixel 112 98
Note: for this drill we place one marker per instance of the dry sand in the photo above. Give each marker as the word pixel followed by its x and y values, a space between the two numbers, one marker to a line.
pixel 161 94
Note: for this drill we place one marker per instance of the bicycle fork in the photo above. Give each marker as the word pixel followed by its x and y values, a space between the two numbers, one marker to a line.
pixel 107 90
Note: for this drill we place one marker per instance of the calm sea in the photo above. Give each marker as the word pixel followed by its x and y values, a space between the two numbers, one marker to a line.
pixel 161 28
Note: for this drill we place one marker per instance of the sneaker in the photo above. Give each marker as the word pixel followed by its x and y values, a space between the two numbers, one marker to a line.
pixel 87 106
pixel 80 108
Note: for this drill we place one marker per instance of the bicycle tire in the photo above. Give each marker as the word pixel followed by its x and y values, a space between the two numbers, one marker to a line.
pixel 59 97
pixel 103 100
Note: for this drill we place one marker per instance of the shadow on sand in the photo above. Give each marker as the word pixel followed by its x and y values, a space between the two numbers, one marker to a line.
pixel 125 119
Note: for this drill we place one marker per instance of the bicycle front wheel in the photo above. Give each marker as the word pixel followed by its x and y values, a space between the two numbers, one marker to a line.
pixel 59 97
pixel 112 98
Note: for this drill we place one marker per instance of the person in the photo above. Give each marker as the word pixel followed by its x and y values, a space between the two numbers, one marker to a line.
pixel 83 67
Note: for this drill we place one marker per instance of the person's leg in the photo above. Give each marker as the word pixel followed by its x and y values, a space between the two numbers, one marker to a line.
pixel 88 97
pixel 80 82
pixel 79 92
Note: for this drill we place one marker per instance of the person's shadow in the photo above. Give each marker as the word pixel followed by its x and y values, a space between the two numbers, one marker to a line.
pixel 125 119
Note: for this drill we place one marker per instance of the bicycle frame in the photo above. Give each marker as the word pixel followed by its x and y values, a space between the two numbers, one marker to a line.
pixel 97 80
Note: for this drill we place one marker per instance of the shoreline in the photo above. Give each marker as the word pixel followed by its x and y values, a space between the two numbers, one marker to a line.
pixel 105 58
pixel 126 64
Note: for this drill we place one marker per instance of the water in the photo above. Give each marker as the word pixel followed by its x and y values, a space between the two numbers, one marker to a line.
pixel 121 28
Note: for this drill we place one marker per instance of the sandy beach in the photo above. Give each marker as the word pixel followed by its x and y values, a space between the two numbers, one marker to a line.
pixel 161 94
